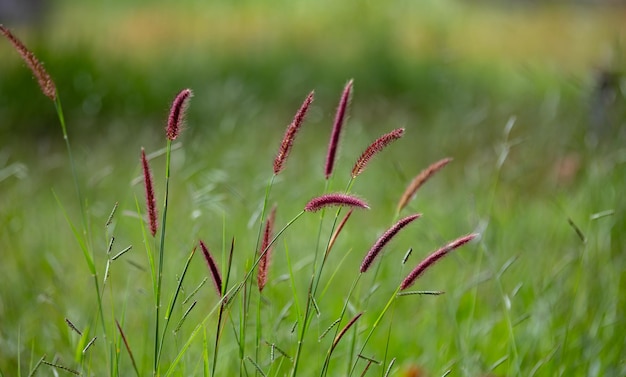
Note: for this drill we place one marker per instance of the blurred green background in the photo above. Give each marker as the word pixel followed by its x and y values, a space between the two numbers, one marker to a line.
pixel 453 73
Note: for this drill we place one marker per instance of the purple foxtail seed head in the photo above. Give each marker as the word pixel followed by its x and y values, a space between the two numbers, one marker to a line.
pixel 419 180
pixel 340 117
pixel 328 200
pixel 215 272
pixel 176 117
pixel 43 78
pixel 150 197
pixel 384 240
pixel 374 148
pixel 290 134
pixel 266 250
pixel 434 257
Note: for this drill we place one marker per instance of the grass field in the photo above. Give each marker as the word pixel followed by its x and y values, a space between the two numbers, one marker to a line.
pixel 508 93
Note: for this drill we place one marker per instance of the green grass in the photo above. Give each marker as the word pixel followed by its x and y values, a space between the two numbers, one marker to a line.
pixel 529 297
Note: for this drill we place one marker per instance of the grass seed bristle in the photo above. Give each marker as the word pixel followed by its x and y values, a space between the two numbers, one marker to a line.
pixel 335 323
pixel 257 366
pixel 193 293
pixel 91 342
pixel 384 239
pixel 110 218
pixel 110 245
pixel 127 249
pixel 57 366
pixel 407 255
pixel 71 326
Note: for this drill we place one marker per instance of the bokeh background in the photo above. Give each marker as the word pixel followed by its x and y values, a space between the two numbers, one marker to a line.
pixel 529 97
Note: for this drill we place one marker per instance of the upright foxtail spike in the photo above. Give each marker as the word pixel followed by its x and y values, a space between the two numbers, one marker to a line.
pixel 266 250
pixel 340 118
pixel 290 134
pixel 177 114
pixel 215 272
pixel 150 197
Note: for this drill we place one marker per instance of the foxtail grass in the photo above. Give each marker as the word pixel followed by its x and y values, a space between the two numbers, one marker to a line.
pixel 334 200
pixel 174 124
pixel 419 181
pixel 384 239
pixel 290 134
pixel 49 89
pixel 373 149
pixel 433 258
pixel 231 306
pixel 340 117
pixel 150 197
pixel 47 86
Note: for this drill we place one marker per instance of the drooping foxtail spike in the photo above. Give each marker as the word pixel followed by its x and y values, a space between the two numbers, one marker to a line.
pixel 265 258
pixel 150 197
pixel 43 78
pixel 329 200
pixel 434 257
pixel 290 134
pixel 215 272
pixel 340 117
pixel 419 180
pixel 177 114
pixel 374 148
pixel 384 239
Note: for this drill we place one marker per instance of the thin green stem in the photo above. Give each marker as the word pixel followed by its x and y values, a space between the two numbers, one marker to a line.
pixel 376 323
pixel 268 189
pixel 343 311
pixel 87 250
pixel 229 295
pixel 311 291
pixel 161 252
pixel 223 307
pixel 168 314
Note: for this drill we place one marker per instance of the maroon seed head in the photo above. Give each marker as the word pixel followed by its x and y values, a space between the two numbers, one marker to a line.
pixel 177 114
